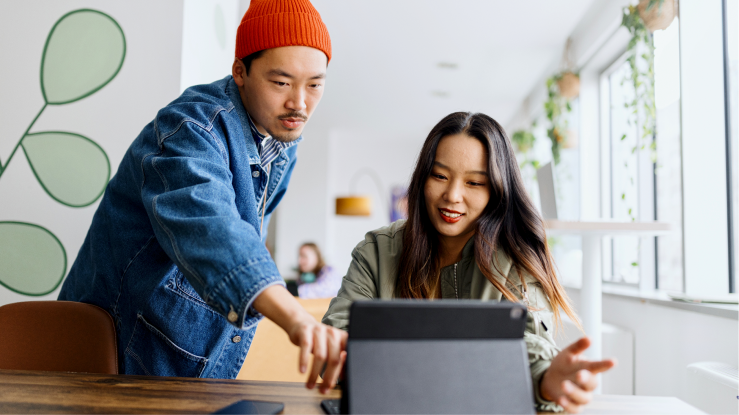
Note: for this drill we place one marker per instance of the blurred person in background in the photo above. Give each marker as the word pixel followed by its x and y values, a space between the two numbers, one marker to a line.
pixel 316 279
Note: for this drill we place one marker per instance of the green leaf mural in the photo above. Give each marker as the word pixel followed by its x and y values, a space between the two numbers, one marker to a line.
pixel 73 169
pixel 32 260
pixel 84 51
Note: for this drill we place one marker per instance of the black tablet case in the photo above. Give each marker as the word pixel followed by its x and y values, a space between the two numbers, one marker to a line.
pixel 433 357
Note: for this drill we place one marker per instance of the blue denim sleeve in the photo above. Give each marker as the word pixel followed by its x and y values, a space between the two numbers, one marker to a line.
pixel 190 202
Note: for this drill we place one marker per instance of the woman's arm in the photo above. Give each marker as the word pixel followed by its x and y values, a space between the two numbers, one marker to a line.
pixel 358 284
pixel 539 340
pixel 561 380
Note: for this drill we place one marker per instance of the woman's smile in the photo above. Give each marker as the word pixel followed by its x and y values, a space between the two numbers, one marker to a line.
pixel 450 216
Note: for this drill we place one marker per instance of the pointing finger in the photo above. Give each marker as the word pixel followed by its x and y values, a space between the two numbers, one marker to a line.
pixel 599 366
pixel 578 347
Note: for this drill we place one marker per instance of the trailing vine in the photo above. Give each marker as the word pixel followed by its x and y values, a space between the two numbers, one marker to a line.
pixel 556 107
pixel 640 58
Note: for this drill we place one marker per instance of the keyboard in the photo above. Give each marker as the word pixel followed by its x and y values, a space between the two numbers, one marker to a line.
pixel 331 406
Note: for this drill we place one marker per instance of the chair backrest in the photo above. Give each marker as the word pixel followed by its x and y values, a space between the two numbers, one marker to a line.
pixel 57 336
pixel 272 356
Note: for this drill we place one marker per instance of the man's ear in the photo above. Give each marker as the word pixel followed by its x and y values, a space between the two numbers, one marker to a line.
pixel 238 71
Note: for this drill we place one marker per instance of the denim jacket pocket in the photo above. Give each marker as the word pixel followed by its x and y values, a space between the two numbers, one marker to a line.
pixel 182 287
pixel 151 352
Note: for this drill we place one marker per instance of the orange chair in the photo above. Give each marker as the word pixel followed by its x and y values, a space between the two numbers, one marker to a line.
pixel 272 356
pixel 57 336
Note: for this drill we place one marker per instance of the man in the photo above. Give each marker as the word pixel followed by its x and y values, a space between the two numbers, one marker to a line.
pixel 175 252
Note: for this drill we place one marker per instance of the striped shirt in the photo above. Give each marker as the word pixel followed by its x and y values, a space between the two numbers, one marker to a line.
pixel 269 148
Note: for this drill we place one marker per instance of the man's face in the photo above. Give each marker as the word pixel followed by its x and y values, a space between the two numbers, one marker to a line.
pixel 282 89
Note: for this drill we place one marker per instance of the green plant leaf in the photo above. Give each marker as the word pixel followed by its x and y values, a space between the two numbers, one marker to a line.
pixel 32 260
pixel 83 52
pixel 73 169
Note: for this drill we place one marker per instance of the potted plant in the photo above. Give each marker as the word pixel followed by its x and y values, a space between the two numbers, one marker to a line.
pixel 569 84
pixel 556 107
pixel 657 14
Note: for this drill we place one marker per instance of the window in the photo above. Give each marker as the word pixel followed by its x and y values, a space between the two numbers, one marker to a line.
pixel 731 56
pixel 644 172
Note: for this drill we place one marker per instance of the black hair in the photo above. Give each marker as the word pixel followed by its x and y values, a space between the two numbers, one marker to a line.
pixel 247 60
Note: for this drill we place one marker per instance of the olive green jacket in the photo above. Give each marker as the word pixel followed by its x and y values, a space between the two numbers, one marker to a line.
pixel 373 272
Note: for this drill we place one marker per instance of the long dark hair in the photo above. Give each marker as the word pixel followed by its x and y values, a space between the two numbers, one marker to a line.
pixel 509 222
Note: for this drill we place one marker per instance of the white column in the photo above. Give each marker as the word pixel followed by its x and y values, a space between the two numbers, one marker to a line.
pixel 591 306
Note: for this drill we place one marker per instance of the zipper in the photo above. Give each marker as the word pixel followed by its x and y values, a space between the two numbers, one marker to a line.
pixel 456 292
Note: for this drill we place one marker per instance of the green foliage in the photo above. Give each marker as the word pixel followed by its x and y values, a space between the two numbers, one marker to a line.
pixel 640 57
pixel 523 141
pixel 556 107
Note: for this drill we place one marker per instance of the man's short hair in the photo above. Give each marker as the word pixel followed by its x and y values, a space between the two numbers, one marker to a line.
pixel 249 58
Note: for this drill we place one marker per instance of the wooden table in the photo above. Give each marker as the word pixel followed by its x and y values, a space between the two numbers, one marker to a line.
pixel 54 392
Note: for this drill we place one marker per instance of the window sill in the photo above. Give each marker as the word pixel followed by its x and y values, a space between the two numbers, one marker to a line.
pixel 662 299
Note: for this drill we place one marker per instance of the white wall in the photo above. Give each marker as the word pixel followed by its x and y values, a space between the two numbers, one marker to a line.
pixel 208 40
pixel 391 157
pixel 113 116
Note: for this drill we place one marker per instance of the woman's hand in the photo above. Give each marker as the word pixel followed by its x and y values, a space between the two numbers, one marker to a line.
pixel 326 343
pixel 570 379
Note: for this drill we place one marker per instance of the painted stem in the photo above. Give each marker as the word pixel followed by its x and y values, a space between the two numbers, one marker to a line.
pixel 18 144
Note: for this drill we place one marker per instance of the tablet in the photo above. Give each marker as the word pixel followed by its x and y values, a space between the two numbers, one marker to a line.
pixel 441 356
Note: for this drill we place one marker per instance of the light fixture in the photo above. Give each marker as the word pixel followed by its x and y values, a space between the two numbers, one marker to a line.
pixel 354 204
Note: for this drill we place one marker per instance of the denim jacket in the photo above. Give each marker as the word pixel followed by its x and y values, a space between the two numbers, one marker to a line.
pixel 174 252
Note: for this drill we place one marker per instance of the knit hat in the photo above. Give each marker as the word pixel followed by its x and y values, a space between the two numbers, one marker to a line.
pixel 271 24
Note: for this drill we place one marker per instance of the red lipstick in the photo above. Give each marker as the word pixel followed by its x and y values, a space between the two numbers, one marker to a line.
pixel 449 219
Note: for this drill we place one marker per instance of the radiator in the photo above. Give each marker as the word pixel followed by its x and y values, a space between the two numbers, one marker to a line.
pixel 713 387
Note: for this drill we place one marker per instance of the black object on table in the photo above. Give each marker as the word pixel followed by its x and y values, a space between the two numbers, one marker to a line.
pixel 252 407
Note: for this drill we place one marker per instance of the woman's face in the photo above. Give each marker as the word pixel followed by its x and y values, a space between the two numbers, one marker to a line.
pixel 457 191
pixel 307 259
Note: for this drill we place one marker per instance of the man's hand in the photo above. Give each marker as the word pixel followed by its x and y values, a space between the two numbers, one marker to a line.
pixel 327 344
pixel 570 379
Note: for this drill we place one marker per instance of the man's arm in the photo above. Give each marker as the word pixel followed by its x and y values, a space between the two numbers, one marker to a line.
pixel 327 344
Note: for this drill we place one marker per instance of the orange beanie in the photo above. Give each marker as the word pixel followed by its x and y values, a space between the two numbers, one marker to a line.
pixel 271 24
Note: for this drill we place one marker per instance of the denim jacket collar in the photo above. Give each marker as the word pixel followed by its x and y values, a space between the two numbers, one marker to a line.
pixel 251 144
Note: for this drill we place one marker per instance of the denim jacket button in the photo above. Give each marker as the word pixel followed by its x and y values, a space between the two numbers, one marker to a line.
pixel 255 174
pixel 232 316
pixel 236 339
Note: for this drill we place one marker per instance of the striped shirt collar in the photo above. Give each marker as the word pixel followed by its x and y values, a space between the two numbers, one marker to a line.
pixel 269 148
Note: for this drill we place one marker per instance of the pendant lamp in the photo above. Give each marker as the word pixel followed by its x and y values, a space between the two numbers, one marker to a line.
pixel 355 204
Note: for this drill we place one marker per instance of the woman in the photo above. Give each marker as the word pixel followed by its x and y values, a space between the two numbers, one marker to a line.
pixel 472 232
pixel 317 280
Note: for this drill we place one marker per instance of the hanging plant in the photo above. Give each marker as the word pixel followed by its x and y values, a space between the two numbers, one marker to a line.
pixel 641 20
pixel 657 14
pixel 556 107
pixel 569 85
pixel 523 141
pixel 561 88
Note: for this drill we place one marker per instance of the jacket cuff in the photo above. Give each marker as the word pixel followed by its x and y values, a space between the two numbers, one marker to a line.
pixel 537 373
pixel 234 295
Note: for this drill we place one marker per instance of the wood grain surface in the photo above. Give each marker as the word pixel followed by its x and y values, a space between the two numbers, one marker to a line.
pixel 28 392
pixel 57 392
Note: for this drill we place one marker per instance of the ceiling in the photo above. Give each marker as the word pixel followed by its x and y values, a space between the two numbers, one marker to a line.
pixel 401 65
